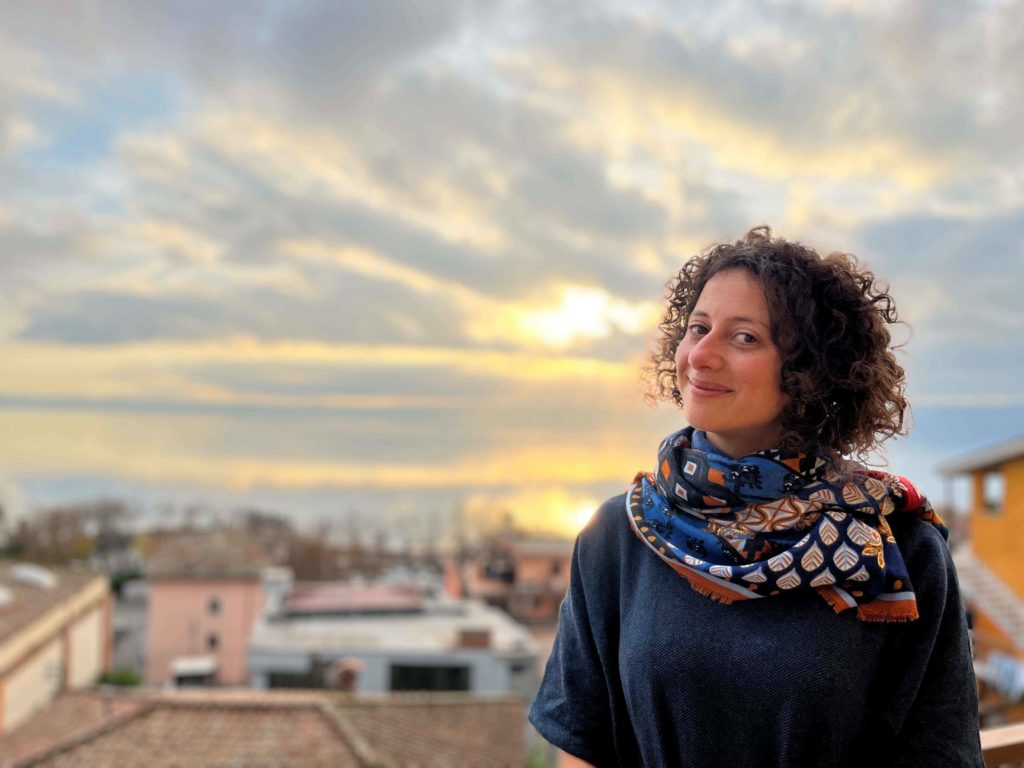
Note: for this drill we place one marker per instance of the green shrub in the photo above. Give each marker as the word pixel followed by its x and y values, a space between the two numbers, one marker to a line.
pixel 120 677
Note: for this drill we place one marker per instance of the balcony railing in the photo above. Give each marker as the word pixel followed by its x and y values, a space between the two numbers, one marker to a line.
pixel 1003 746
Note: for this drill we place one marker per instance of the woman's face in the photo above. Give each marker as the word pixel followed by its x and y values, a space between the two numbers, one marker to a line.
pixel 728 367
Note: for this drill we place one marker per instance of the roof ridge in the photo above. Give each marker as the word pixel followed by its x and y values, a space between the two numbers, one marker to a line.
pixel 367 756
pixel 432 698
pixel 78 738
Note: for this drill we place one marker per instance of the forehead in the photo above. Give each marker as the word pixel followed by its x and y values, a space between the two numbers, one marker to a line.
pixel 733 292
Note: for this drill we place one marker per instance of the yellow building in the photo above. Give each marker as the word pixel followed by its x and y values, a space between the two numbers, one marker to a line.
pixel 991 571
pixel 54 636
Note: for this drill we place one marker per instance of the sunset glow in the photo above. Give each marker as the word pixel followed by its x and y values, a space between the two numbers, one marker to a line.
pixel 419 260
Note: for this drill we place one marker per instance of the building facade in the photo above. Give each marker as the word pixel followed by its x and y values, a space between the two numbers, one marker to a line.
pixel 991 571
pixel 526 577
pixel 55 635
pixel 205 593
pixel 391 639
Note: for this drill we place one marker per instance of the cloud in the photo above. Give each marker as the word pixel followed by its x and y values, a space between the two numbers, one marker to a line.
pixel 452 223
pixel 174 372
pixel 237 452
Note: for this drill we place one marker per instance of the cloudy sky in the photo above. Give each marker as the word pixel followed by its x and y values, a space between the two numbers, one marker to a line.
pixel 389 260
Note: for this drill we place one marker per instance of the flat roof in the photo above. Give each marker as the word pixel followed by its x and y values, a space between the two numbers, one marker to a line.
pixel 986 458
pixel 435 630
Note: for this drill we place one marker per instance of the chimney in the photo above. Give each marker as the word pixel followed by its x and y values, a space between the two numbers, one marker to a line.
pixel 343 674
pixel 474 638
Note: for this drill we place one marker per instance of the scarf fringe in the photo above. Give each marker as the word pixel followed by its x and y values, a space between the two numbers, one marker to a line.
pixel 834 599
pixel 884 610
pixel 696 579
pixel 705 587
pixel 876 610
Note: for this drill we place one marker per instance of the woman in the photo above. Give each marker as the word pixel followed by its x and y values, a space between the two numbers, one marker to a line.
pixel 758 599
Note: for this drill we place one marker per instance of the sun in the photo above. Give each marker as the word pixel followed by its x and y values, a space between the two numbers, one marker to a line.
pixel 579 515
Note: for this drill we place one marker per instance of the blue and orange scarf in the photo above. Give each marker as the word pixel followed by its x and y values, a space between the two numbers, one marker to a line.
pixel 771 522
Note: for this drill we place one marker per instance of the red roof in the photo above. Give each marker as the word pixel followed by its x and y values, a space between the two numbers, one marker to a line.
pixel 218 727
pixel 314 598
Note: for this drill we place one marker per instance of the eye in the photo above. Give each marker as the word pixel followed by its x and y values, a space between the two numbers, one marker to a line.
pixel 696 329
pixel 746 338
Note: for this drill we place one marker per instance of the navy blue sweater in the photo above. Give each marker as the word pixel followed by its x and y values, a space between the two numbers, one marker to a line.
pixel 646 671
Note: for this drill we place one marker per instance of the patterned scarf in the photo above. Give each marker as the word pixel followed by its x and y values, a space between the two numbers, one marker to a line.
pixel 739 529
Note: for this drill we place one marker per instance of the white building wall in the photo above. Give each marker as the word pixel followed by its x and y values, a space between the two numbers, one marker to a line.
pixel 86 652
pixel 487 672
pixel 32 685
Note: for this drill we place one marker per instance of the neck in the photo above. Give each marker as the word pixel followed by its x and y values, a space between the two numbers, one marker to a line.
pixel 737 446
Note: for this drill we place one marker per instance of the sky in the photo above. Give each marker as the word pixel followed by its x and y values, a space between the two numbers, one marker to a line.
pixel 397 265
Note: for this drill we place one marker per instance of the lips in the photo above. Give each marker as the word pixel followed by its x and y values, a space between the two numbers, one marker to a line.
pixel 707 388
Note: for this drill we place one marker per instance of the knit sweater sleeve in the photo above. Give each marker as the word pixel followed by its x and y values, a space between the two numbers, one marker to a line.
pixel 938 700
pixel 576 706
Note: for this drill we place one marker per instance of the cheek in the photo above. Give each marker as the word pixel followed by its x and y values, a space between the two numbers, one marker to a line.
pixel 771 376
pixel 682 353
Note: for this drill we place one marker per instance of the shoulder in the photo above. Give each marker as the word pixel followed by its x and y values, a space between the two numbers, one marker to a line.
pixel 607 522
pixel 602 539
pixel 927 558
pixel 920 542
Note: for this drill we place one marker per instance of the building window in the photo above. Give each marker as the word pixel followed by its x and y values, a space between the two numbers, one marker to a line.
pixel 213 605
pixel 193 681
pixel 406 677
pixel 294 680
pixel 993 493
pixel 212 641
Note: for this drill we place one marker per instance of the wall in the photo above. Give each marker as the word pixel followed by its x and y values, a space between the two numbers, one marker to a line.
pixel 997 539
pixel 38 660
pixel 32 684
pixel 488 673
pixel 180 623
pixel 85 655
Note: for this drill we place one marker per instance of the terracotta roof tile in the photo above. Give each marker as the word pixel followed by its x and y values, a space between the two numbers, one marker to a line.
pixel 431 731
pixel 73 714
pixel 224 554
pixel 167 735
pixel 218 727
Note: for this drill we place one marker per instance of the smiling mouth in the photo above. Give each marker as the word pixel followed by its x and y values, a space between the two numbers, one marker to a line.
pixel 706 388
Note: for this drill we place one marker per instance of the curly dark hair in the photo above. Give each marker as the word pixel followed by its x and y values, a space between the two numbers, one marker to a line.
pixel 829 321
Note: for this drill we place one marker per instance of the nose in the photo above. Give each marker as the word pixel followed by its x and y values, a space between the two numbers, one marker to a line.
pixel 705 353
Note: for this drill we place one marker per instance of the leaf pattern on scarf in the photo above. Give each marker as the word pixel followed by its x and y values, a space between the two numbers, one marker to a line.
pixel 862 535
pixel 781 561
pixel 827 532
pixel 812 559
pixel 824 495
pixel 876 488
pixel 852 495
pixel 824 578
pixel 789 580
pixel 844 558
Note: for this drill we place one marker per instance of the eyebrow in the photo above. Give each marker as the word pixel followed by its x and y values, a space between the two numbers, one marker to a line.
pixel 737 318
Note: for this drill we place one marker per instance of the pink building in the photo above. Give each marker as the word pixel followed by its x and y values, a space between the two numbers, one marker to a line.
pixel 205 593
pixel 525 576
